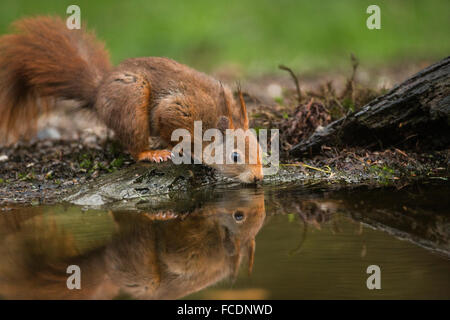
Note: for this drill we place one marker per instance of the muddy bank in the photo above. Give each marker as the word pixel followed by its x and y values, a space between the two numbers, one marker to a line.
pixel 72 151
pixel 40 171
pixel 47 171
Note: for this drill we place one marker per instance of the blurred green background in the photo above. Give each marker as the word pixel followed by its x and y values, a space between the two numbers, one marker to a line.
pixel 257 35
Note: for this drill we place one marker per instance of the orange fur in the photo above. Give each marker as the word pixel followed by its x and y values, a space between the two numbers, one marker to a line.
pixel 155 155
pixel 44 62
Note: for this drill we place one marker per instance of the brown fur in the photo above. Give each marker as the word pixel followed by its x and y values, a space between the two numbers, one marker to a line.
pixel 44 62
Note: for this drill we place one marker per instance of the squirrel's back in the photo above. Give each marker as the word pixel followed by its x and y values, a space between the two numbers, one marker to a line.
pixel 43 61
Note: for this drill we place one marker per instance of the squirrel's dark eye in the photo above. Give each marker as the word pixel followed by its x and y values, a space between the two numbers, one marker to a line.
pixel 238 215
pixel 235 157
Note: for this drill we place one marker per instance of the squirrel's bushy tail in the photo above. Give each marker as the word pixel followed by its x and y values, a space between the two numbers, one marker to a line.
pixel 41 62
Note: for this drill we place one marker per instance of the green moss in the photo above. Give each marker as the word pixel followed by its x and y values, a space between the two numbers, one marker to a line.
pixel 27 176
pixel 117 162
pixel 348 104
pixel 279 100
pixel 86 164
pixel 384 174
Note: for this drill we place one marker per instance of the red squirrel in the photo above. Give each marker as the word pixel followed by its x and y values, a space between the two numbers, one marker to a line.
pixel 44 62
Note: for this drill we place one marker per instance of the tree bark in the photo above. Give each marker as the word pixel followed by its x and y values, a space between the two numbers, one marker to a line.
pixel 414 113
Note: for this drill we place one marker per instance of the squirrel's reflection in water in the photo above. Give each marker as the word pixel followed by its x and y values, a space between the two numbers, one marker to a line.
pixel 151 256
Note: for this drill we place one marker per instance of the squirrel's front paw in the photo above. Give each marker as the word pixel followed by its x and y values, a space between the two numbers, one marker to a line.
pixel 155 155
pixel 162 215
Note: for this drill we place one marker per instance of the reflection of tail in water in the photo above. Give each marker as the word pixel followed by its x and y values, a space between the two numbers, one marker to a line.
pixel 148 257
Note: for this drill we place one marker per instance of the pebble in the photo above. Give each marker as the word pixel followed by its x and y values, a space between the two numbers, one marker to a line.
pixel 274 90
pixel 49 133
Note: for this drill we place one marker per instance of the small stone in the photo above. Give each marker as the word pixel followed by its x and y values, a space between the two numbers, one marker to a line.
pixel 49 133
pixel 320 129
pixel 3 158
pixel 274 90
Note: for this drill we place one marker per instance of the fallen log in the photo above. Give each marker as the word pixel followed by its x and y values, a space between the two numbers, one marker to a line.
pixel 414 113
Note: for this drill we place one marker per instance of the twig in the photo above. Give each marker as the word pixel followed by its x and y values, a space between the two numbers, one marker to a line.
pixel 401 152
pixel 355 64
pixel 328 171
pixel 294 77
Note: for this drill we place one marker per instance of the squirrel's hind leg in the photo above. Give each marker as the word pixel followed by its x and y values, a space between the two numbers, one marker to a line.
pixel 123 103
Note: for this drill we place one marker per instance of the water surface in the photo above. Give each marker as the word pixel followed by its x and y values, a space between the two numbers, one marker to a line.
pixel 280 243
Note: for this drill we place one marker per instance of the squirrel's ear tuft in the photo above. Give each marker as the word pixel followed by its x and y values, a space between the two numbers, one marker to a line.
pixel 223 123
